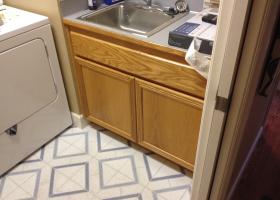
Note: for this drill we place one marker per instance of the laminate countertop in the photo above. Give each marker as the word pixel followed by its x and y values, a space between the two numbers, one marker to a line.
pixel 159 38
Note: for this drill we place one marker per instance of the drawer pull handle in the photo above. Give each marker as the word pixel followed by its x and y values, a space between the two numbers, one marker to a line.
pixel 12 131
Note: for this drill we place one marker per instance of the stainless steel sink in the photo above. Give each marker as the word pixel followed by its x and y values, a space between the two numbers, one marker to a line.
pixel 131 18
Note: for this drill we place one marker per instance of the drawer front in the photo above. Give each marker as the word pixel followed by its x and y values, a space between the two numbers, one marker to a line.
pixel 168 122
pixel 109 98
pixel 140 64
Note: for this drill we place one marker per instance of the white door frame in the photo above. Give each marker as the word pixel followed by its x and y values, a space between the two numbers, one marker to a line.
pixel 238 145
pixel 229 39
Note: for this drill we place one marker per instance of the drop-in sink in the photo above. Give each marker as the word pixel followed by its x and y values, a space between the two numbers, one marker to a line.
pixel 131 18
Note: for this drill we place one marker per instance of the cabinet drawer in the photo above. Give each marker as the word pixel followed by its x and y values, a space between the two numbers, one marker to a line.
pixel 109 97
pixel 140 64
pixel 168 122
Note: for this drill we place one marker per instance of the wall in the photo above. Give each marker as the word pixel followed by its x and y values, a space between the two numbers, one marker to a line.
pixel 50 8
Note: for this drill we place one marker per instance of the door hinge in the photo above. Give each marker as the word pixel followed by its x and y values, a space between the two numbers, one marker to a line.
pixel 222 104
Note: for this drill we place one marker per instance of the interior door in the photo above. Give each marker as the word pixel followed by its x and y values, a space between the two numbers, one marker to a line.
pixel 267 85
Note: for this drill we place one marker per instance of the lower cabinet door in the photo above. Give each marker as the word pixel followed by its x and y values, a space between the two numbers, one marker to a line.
pixel 168 122
pixel 108 97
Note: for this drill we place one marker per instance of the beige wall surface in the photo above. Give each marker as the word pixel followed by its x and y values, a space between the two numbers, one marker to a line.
pixel 51 9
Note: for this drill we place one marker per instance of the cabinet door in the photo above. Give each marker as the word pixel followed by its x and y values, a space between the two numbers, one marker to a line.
pixel 168 122
pixel 108 97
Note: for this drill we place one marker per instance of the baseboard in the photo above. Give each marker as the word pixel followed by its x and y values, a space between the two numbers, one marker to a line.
pixel 79 120
pixel 253 147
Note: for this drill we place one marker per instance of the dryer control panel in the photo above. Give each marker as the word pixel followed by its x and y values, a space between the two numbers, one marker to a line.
pixel 16 21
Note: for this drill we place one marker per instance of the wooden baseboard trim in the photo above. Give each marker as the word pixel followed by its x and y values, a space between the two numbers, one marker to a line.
pixel 79 120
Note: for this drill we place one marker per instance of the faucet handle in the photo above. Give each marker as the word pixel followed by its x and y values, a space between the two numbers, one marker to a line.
pixel 182 6
pixel 149 2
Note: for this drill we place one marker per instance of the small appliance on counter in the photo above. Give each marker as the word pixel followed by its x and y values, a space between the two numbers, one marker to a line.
pixel 194 28
pixel 92 4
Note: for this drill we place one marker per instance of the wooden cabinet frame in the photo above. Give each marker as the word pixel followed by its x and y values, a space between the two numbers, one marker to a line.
pixel 114 75
pixel 187 102
pixel 165 73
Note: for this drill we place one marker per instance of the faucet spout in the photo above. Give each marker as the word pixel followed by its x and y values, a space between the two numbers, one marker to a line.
pixel 149 2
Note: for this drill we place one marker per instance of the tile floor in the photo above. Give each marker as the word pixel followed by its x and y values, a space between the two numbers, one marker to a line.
pixel 94 164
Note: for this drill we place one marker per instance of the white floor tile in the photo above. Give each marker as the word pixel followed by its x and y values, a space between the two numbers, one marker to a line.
pixel 177 194
pixel 180 181
pixel 18 194
pixel 30 185
pixel 19 179
pixel 62 146
pixel 81 177
pixel 9 186
pixel 147 194
pixel 115 169
pixel 58 181
pixel 107 173
pixel 69 186
pixel 72 138
pixel 69 160
pixel 118 179
pixel 72 130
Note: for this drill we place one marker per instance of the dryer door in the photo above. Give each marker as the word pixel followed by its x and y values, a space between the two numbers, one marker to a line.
pixel 26 82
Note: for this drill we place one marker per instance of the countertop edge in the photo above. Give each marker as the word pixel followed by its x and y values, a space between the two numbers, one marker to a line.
pixel 124 37
pixel 159 40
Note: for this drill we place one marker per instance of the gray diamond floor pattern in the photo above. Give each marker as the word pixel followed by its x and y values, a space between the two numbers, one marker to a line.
pixel 94 164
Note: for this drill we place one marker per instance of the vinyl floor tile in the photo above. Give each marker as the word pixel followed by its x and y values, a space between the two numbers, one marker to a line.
pixel 95 164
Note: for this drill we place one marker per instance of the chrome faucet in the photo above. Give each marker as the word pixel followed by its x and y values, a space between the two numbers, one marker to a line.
pixel 152 7
pixel 149 3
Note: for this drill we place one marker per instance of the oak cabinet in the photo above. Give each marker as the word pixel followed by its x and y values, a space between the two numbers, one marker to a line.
pixel 168 122
pixel 141 91
pixel 109 98
pixel 139 63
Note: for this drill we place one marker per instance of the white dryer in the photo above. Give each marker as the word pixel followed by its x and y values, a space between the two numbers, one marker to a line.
pixel 33 103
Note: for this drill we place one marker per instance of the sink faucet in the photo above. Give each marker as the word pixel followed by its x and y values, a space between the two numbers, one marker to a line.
pixel 149 3
pixel 153 7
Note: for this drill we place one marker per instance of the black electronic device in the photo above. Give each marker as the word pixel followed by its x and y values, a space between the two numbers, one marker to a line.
pixel 210 18
pixel 180 36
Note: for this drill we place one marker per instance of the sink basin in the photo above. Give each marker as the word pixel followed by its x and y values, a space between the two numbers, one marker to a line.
pixel 132 19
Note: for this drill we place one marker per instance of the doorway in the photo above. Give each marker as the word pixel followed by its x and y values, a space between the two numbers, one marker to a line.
pixel 254 90
pixel 261 178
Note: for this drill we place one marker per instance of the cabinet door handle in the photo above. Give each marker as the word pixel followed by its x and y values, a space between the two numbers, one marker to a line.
pixel 269 70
